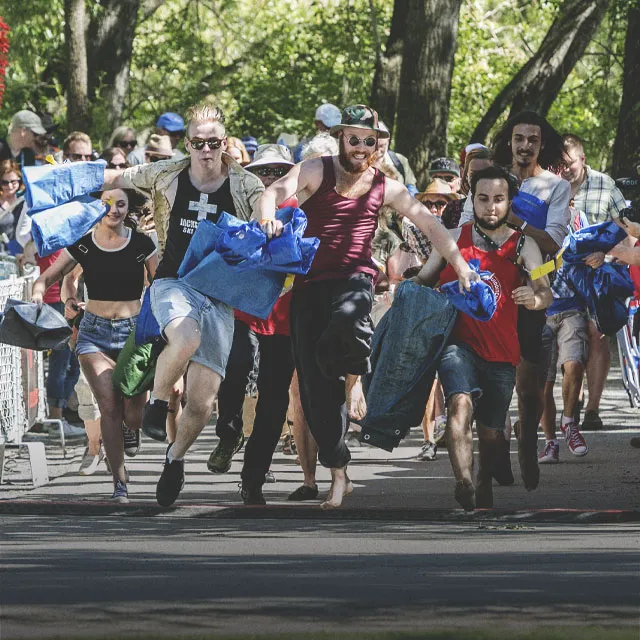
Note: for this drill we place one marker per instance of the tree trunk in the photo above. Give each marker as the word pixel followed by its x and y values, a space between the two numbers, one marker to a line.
pixel 538 83
pixel 77 93
pixel 431 34
pixel 386 80
pixel 111 38
pixel 626 152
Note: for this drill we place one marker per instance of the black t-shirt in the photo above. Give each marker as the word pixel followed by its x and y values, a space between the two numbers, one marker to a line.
pixel 190 207
pixel 113 274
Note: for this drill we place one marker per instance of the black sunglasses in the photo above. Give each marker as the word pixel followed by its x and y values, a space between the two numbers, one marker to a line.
pixel 278 172
pixel 127 143
pixel 438 204
pixel 447 177
pixel 119 165
pixel 369 141
pixel 6 183
pixel 213 143
pixel 79 157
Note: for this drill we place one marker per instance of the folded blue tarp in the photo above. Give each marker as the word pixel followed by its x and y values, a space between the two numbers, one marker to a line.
pixel 592 239
pixel 50 185
pixel 232 260
pixel 479 302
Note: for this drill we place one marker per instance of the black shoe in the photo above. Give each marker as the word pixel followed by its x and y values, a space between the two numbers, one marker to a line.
pixel 131 439
pixel 154 420
pixel 171 481
pixel 220 458
pixel 252 496
pixel 303 493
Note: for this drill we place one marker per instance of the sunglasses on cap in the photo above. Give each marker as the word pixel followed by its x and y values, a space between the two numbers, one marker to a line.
pixel 213 143
pixel 117 165
pixel 354 141
pixel 278 172
pixel 131 144
pixel 79 157
pixel 6 183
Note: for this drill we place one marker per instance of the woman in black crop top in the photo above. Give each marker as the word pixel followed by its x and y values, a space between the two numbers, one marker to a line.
pixel 114 258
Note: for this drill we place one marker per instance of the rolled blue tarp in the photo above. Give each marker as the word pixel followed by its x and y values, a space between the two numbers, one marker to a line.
pixel 479 302
pixel 49 185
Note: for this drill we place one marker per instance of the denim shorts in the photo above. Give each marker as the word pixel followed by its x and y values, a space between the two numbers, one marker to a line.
pixel 172 299
pixel 490 384
pixel 101 335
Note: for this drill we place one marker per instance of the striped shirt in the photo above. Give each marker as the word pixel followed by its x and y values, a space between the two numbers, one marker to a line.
pixel 598 197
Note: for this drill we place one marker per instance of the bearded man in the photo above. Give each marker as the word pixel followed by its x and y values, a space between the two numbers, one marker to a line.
pixel 330 324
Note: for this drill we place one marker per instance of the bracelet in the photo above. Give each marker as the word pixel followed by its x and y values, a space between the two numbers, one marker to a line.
pixel 70 298
pixel 524 225
pixel 267 220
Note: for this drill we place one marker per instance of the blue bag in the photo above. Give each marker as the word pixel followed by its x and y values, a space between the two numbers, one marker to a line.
pixel 480 302
pixel 233 262
pixel 596 237
pixel 530 209
pixel 52 185
pixel 61 226
pixel 147 327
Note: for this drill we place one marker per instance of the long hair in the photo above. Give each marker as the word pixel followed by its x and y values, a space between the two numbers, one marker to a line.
pixel 474 154
pixel 136 202
pixel 551 152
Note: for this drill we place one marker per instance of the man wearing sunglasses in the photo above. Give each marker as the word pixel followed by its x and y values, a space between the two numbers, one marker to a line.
pixel 330 308
pixel 448 171
pixel 198 330
pixel 77 147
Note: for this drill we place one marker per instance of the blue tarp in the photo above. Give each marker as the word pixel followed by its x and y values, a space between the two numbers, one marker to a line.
pixel 479 302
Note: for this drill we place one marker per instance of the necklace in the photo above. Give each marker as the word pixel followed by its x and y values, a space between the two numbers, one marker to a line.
pixel 494 246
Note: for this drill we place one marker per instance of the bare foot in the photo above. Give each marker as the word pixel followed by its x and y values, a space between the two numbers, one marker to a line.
pixel 341 486
pixel 356 404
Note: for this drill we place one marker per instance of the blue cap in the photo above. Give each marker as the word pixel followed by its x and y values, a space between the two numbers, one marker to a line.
pixel 170 121
pixel 250 143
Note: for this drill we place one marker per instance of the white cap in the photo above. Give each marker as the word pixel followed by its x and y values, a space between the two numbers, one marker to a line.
pixel 270 154
pixel 474 145
pixel 328 114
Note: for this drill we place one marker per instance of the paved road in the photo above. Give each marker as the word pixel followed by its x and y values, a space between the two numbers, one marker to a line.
pixel 174 576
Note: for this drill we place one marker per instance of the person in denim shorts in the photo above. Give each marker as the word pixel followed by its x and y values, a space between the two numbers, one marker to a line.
pixel 478 368
pixel 115 259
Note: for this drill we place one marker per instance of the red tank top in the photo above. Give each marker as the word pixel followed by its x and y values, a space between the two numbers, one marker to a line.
pixel 345 227
pixel 497 339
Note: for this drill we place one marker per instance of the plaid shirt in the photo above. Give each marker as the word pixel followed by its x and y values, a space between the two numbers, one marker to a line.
pixel 598 197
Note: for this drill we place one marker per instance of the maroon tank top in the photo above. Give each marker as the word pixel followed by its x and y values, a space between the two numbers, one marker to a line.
pixel 345 227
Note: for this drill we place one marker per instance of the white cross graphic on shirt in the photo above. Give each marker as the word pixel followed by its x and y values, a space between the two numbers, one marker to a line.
pixel 202 207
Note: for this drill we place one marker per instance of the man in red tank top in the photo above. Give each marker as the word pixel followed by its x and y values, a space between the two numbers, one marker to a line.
pixel 330 324
pixel 478 368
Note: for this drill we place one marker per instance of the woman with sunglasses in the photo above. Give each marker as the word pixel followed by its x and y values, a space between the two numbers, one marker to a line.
pixel 114 257
pixel 11 204
pixel 116 158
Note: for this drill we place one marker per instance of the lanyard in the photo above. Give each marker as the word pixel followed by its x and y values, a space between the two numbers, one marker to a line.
pixel 495 247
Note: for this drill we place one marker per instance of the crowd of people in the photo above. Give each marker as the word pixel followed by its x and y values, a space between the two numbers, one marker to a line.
pixel 308 361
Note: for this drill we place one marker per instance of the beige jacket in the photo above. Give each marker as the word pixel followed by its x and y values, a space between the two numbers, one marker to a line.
pixel 159 181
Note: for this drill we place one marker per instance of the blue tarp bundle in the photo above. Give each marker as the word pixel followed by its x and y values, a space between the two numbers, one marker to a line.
pixel 531 209
pixel 221 254
pixel 61 209
pixel 596 237
pixel 479 302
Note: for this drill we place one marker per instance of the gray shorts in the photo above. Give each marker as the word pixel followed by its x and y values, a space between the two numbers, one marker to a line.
pixel 172 299
pixel 567 335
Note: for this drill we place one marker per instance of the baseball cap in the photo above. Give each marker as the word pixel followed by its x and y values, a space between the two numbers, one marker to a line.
pixel 271 154
pixel 26 119
pixel 328 114
pixel 359 116
pixel 170 121
pixel 250 144
pixel 445 165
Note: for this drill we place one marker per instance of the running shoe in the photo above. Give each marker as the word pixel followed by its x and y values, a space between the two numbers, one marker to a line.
pixel 428 451
pixel 220 458
pixel 289 446
pixel 303 493
pixel 440 431
pixel 120 494
pixel 592 421
pixel 131 439
pixel 269 478
pixel 154 420
pixel 575 442
pixel 171 481
pixel 69 430
pixel 551 453
pixel 89 464
pixel 252 496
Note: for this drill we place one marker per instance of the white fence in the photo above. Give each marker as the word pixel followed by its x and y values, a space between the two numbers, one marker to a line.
pixel 22 394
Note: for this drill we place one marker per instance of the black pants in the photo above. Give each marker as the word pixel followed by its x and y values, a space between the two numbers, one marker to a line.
pixel 274 379
pixel 331 331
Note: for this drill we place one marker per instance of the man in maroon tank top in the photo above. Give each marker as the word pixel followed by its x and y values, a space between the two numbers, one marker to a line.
pixel 330 324
pixel 478 367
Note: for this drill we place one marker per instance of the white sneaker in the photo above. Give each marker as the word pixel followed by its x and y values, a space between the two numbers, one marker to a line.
pixel 70 430
pixel 89 464
pixel 551 453
pixel 439 429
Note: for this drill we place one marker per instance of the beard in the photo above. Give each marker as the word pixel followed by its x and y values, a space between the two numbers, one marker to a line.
pixel 491 226
pixel 348 165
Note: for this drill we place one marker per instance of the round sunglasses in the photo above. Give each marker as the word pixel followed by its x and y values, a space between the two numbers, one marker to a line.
pixel 354 141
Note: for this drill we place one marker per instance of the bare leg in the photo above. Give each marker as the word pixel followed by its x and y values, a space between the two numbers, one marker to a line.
pixel 430 415
pixel 183 340
pixel 529 388
pixel 549 412
pixel 340 487
pixel 490 442
pixel 460 437
pixel 175 410
pixel 571 383
pixel 356 404
pixel 202 388
pixel 598 366
pixel 92 427
pixel 98 369
pixel 55 413
pixel 305 444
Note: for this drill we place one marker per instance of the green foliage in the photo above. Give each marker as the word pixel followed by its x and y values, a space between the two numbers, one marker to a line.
pixel 270 63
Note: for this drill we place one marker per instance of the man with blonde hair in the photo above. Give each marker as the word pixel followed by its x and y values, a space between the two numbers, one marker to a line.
pixel 198 329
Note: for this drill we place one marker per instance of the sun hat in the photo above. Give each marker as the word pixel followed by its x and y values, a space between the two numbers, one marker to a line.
pixel 170 121
pixel 271 154
pixel 445 165
pixel 328 114
pixel 359 116
pixel 439 188
pixel 26 119
pixel 158 145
